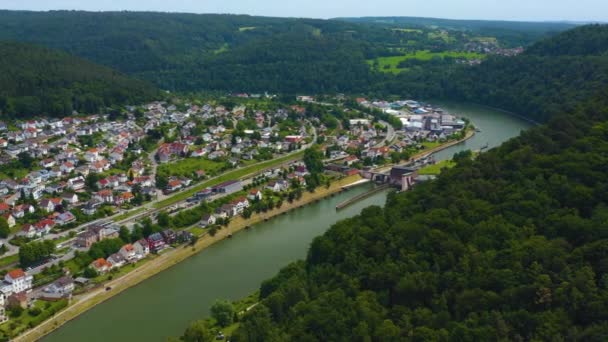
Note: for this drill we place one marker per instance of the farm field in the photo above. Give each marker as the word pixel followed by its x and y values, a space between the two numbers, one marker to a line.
pixel 391 64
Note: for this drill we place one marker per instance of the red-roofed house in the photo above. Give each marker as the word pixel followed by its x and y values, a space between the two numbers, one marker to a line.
pixel 4 208
pixel 16 281
pixel 255 194
pixel 105 196
pixel 101 265
pixel 123 198
pixel 239 205
pixel 128 252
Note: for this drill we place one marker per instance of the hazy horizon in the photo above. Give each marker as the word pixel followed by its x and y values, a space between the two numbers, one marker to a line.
pixel 515 10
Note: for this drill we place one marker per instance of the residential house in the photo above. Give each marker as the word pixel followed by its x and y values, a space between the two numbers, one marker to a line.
pixel 117 260
pixel 142 248
pixel 128 252
pixel 28 231
pixel 76 183
pixel 255 195
pixel 90 208
pixel 19 211
pixel 105 196
pixel 70 198
pixel 156 242
pixel 173 185
pixel 86 239
pixel 92 155
pixel 67 167
pixel 63 286
pixel 44 226
pixel 50 204
pixel 16 281
pixel 124 198
pixel 101 266
pixel 277 186
pixel 17 299
pixel 207 220
pixel 65 218
pixel 169 236
pixel 239 205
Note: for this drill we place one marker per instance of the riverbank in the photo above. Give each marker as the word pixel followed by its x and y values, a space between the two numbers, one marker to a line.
pixel 165 260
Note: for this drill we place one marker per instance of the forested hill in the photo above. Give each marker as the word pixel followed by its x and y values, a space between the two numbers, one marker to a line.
pixel 515 33
pixel 582 41
pixel 180 51
pixel 236 53
pixel 39 81
pixel 510 246
pixel 553 76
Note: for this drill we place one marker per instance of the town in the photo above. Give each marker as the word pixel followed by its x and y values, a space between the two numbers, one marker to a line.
pixel 85 196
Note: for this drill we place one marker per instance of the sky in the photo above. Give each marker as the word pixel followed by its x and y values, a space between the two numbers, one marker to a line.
pixel 532 10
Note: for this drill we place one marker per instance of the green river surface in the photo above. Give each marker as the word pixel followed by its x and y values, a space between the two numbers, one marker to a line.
pixel 164 305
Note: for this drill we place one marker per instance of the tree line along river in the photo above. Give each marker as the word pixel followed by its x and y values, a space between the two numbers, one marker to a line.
pixel 165 304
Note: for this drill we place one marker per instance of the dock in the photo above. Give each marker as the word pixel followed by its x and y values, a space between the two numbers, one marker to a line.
pixel 362 196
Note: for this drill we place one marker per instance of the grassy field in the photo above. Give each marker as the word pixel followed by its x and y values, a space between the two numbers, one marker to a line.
pixel 9 260
pixel 436 169
pixel 430 144
pixel 187 167
pixel 407 30
pixel 231 175
pixel 441 35
pixel 390 64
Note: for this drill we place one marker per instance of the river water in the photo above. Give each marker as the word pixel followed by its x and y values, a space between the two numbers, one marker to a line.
pixel 163 305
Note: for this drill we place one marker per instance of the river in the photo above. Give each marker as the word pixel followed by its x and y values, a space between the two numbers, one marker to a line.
pixel 163 305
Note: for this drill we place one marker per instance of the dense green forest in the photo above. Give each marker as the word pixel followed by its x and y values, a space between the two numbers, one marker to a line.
pixel 37 81
pixel 510 246
pixel 236 53
pixel 208 52
pixel 584 41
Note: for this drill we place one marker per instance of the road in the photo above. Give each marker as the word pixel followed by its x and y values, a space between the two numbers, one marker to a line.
pixel 390 134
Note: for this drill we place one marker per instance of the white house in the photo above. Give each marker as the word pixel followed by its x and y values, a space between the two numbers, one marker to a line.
pixel 255 194
pixel 142 248
pixel 62 286
pixel 128 252
pixel 117 260
pixel 277 186
pixel 16 281
pixel 208 220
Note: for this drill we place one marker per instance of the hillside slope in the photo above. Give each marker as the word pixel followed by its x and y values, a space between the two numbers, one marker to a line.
pixel 180 51
pixel 37 81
